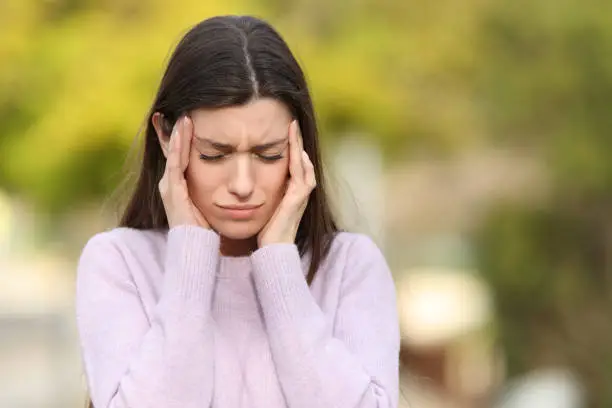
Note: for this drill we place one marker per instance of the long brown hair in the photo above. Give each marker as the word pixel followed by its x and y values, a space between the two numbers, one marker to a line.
pixel 227 61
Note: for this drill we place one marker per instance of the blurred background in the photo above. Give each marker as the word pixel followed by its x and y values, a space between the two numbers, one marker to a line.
pixel 469 138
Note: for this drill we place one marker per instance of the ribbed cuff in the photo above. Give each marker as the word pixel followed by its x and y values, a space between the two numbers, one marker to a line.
pixel 281 285
pixel 192 255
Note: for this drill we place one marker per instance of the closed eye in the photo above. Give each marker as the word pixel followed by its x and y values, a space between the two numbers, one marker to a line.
pixel 264 157
pixel 211 158
pixel 270 158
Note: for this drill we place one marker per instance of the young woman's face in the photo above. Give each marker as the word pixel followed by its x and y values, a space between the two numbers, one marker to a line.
pixel 238 165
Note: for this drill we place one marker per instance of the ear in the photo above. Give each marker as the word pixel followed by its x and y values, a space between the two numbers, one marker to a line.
pixel 160 124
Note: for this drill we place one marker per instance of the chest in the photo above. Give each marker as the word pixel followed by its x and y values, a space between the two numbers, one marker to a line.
pixel 245 375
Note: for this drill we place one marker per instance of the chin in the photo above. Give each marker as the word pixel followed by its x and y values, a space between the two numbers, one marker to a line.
pixel 237 230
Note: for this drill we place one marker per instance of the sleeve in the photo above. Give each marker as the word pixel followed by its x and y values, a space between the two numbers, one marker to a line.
pixel 357 366
pixel 130 362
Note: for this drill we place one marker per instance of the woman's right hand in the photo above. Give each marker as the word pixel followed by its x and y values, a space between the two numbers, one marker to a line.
pixel 179 207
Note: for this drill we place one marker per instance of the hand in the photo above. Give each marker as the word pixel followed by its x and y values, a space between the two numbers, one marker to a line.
pixel 283 225
pixel 180 210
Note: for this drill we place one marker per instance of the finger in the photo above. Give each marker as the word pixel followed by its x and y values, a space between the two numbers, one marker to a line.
pixel 163 186
pixel 187 137
pixel 309 172
pixel 302 151
pixel 174 155
pixel 299 135
pixel 296 169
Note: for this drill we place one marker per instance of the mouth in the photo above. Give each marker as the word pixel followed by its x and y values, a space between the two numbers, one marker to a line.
pixel 239 212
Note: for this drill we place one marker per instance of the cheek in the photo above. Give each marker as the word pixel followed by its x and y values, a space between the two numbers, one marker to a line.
pixel 201 181
pixel 273 178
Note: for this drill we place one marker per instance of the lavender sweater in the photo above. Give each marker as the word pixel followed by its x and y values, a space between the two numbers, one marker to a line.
pixel 166 322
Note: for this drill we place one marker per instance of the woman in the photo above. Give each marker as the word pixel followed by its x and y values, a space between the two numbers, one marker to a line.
pixel 227 283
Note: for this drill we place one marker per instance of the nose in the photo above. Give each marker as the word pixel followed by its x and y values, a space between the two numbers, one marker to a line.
pixel 241 180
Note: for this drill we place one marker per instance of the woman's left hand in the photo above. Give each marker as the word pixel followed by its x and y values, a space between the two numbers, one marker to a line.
pixel 283 225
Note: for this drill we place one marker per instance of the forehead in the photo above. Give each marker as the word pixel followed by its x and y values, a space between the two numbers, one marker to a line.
pixel 258 121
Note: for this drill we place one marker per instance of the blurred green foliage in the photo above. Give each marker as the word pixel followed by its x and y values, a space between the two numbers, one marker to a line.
pixel 77 77
pixel 547 86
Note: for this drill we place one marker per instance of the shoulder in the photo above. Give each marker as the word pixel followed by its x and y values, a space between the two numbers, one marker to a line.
pixel 361 264
pixel 355 247
pixel 110 253
pixel 355 255
pixel 120 240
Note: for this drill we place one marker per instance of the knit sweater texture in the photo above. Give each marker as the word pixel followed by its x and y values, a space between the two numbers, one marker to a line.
pixel 166 321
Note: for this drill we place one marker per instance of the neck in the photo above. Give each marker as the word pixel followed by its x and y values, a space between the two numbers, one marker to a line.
pixel 238 247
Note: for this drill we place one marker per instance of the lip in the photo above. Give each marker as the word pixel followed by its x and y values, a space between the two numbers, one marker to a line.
pixel 240 212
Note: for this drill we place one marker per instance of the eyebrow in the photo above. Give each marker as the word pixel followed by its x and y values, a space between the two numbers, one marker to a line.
pixel 227 147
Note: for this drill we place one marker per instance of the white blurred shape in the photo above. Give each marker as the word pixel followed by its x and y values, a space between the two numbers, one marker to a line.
pixel 438 306
pixel 545 388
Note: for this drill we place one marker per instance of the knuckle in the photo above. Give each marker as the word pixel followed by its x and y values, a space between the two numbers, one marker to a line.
pixel 163 187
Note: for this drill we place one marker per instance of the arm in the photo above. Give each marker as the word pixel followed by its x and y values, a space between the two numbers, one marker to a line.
pixel 131 362
pixel 355 367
